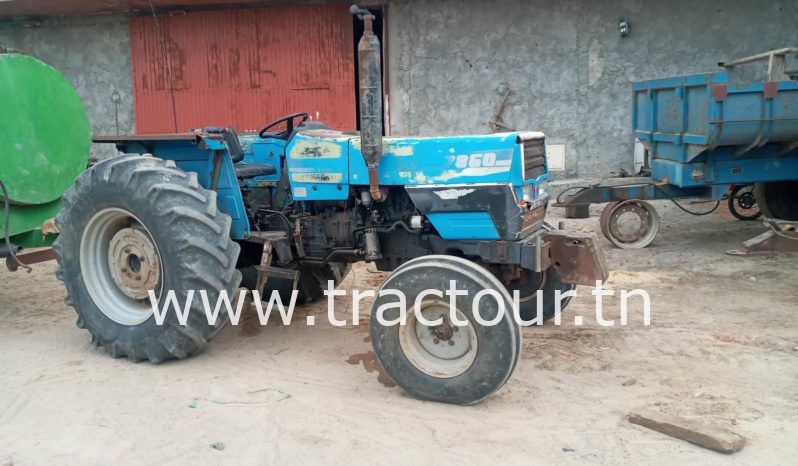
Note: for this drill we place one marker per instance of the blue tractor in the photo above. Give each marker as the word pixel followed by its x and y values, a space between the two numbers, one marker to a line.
pixel 292 206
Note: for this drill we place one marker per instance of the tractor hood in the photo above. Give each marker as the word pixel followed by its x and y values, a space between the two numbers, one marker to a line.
pixel 321 160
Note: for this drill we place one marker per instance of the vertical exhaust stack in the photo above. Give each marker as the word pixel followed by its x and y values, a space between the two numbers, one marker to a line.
pixel 370 87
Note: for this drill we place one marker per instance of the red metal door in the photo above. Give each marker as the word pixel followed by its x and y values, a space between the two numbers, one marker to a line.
pixel 243 68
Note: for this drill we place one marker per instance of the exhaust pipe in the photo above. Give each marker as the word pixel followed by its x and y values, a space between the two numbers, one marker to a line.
pixel 370 88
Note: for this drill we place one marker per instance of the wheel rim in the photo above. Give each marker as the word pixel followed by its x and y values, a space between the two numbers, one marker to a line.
pixel 743 203
pixel 443 351
pixel 632 224
pixel 746 200
pixel 120 262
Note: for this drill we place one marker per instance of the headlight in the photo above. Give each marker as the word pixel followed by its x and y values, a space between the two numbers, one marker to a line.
pixel 543 188
pixel 527 194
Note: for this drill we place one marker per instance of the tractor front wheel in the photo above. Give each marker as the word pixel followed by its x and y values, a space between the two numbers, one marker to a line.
pixel 450 354
pixel 133 227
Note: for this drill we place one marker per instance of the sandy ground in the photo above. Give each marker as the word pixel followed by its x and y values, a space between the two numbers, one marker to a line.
pixel 722 348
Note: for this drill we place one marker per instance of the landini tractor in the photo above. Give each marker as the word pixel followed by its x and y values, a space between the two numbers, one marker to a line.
pixel 292 206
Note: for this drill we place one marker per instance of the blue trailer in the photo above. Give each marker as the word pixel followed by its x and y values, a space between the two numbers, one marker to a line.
pixel 702 134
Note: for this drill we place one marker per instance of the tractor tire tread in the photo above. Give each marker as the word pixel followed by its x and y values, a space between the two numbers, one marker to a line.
pixel 199 256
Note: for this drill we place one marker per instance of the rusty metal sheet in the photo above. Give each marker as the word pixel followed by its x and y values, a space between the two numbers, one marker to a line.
pixel 243 68
pixel 770 89
pixel 718 92
pixel 577 257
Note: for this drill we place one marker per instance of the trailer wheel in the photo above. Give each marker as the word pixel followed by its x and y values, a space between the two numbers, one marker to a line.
pixel 778 199
pixel 136 223
pixel 604 219
pixel 446 362
pixel 545 283
pixel 631 224
pixel 742 203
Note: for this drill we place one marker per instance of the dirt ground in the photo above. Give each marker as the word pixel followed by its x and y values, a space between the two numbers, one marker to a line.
pixel 722 348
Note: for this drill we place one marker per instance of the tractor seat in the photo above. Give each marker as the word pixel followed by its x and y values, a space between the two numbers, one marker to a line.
pixel 251 170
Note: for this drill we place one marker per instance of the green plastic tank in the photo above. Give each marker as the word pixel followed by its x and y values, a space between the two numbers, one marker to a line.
pixel 44 142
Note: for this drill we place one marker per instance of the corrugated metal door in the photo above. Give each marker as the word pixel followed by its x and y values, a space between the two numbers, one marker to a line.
pixel 243 68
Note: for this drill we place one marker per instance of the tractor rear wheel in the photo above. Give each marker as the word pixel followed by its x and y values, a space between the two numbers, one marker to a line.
pixel 134 224
pixel 446 362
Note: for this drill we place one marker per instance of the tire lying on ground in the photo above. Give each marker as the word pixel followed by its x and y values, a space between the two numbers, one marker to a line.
pixel 446 362
pixel 134 223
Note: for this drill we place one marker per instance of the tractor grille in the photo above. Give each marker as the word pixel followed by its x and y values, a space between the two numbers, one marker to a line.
pixel 534 158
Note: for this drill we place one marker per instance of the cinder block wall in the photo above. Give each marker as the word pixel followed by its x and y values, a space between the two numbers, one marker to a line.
pixel 93 52
pixel 565 62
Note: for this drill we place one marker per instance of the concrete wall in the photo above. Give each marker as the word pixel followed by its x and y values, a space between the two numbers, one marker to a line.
pixel 564 61
pixel 567 66
pixel 93 52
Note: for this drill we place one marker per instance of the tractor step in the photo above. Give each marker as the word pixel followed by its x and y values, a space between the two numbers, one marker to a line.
pixel 274 242
pixel 277 272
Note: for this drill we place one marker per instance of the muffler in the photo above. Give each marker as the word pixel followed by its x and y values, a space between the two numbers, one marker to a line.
pixel 370 89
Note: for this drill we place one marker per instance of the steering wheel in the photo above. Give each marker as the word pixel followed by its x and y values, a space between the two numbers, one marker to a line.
pixel 289 122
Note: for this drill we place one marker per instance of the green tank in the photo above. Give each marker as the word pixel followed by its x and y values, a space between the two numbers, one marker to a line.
pixel 44 144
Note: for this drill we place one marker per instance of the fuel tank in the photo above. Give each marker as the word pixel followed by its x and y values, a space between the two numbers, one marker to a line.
pixel 44 142
pixel 44 131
